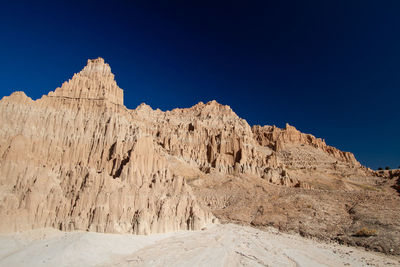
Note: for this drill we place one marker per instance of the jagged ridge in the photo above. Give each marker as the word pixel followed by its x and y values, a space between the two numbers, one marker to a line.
pixel 78 159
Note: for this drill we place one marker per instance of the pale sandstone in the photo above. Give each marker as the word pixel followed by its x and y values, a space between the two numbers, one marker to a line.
pixel 78 159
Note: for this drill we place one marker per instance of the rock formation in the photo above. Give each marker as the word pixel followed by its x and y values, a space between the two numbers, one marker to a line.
pixel 279 139
pixel 77 158
pixel 95 82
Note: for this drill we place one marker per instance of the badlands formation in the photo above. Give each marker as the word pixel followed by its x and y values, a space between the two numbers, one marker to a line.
pixel 78 159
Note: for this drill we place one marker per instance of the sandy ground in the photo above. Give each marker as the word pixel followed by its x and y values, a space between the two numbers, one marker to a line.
pixel 219 245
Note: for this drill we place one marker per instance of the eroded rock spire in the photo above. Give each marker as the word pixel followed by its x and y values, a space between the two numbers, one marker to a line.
pixel 95 81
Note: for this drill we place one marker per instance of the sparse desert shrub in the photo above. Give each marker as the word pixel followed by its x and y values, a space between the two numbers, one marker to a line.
pixel 380 169
pixel 365 232
pixel 387 168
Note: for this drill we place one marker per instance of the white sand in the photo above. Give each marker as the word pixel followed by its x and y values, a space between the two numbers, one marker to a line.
pixel 220 245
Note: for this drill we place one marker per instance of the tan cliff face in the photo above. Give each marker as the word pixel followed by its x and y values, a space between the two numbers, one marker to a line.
pixel 279 139
pixel 72 160
pixel 77 159
pixel 94 82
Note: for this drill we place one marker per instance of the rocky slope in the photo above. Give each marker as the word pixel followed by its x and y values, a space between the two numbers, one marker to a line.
pixel 78 159
pixel 75 159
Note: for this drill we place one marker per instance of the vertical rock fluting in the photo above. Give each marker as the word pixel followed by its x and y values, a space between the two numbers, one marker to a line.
pixel 73 160
pixel 79 159
pixel 95 82
pixel 209 136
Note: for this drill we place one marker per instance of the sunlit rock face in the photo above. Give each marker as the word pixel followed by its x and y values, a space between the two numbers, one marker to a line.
pixel 78 159
pixel 95 82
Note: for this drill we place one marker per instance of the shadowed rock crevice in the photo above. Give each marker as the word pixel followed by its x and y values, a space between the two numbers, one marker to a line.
pixel 125 161
pixel 112 150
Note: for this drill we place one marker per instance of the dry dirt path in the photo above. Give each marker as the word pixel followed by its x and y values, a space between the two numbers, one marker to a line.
pixel 219 245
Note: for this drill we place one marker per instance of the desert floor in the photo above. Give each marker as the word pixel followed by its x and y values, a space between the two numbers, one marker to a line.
pixel 218 245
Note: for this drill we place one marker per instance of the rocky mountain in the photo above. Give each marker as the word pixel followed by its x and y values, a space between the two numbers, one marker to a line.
pixel 78 159
pixel 75 159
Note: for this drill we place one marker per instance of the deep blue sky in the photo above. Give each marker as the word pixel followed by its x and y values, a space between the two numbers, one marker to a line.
pixel 330 68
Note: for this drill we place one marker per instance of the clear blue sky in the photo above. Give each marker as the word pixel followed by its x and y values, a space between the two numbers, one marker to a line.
pixel 330 68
